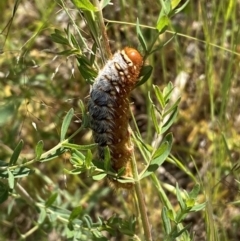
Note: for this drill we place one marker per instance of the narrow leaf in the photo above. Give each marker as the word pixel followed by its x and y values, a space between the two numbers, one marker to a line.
pixel 159 96
pixel 154 119
pixel 39 149
pixel 10 179
pixel 88 160
pixel 66 122
pixel 180 199
pixel 79 147
pixel 198 207
pixel 174 3
pixel 99 176
pixel 75 213
pixel 140 37
pixel 166 221
pixel 51 200
pixel 174 106
pixel 146 73
pixel 159 156
pixel 169 121
pixel 84 5
pixel 162 24
pixel 16 153
pixel 42 216
pixel 194 192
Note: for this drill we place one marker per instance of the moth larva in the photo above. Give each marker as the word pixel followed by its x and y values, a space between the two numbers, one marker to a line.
pixel 109 108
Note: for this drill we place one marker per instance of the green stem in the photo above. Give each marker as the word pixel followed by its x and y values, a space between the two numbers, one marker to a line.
pixel 141 202
pixel 44 155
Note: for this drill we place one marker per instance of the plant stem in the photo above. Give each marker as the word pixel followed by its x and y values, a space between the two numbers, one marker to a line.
pixel 140 198
pixel 105 42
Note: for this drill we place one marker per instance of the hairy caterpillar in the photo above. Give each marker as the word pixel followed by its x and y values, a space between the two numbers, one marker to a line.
pixel 109 108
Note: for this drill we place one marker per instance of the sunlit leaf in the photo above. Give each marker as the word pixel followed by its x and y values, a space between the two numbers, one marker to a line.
pixel 66 122
pixel 162 24
pixel 84 5
pixel 99 176
pixel 39 149
pixel 10 179
pixel 159 95
pixel 168 123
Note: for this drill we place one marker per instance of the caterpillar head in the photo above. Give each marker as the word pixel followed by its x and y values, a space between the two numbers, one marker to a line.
pixel 134 56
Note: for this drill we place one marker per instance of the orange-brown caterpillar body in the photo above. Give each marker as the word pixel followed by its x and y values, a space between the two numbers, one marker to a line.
pixel 109 108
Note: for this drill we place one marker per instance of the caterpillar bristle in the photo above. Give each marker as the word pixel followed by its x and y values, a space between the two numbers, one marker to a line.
pixel 109 109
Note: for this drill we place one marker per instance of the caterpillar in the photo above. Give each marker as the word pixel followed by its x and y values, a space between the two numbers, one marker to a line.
pixel 108 109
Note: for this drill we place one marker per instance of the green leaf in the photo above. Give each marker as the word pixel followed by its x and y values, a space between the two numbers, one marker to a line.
pixel 51 199
pixel 173 106
pixel 169 121
pixel 99 176
pixel 146 72
pixel 16 153
pixel 86 70
pixel 42 216
pixel 167 92
pixel 175 11
pixel 39 149
pixel 159 96
pixel 166 221
pixel 75 213
pixel 3 192
pixel 154 119
pixel 104 3
pixel 198 207
pixel 159 156
pixel 53 155
pixel 84 5
pixel 174 3
pixel 140 37
pixel 93 54
pixel 10 179
pixel 88 160
pixel 57 37
pixel 171 214
pixel 66 122
pixel 195 191
pixel 88 221
pixel 79 147
pixel 162 24
pixel 180 199
pixel 77 158
pixel 17 173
